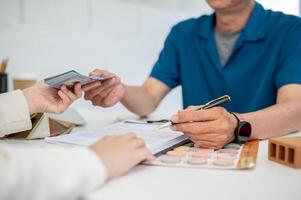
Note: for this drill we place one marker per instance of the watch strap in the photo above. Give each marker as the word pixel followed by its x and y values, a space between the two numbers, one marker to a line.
pixel 236 140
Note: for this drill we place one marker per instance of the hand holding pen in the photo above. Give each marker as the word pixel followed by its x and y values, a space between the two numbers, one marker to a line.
pixel 215 102
pixel 209 126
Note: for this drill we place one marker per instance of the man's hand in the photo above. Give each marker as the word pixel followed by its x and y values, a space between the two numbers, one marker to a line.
pixel 212 128
pixel 104 93
pixel 42 98
pixel 121 153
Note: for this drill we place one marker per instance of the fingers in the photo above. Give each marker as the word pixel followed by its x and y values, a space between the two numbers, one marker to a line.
pixel 110 83
pixel 106 74
pixel 134 140
pixel 70 94
pixel 100 73
pixel 65 99
pixel 104 93
pixel 139 145
pixel 210 128
pixel 102 87
pixel 103 73
pixel 109 97
pixel 78 90
pixel 209 137
pixel 206 143
pixel 129 136
pixel 146 155
pixel 209 145
pixel 195 127
pixel 114 96
pixel 190 108
pixel 98 90
pixel 92 85
pixel 216 140
pixel 92 93
pixel 198 115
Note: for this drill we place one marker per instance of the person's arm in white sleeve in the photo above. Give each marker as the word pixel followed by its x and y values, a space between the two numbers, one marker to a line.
pixel 14 113
pixel 58 173
pixel 16 106
pixel 49 173
pixel 65 173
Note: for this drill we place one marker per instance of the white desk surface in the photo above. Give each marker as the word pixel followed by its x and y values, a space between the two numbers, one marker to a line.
pixel 268 180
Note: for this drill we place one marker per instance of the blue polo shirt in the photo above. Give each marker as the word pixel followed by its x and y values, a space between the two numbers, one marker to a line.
pixel 266 56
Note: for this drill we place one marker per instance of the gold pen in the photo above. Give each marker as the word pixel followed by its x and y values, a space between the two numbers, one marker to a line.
pixel 215 102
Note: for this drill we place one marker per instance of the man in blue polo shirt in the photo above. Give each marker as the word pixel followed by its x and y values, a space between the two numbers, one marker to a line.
pixel 243 50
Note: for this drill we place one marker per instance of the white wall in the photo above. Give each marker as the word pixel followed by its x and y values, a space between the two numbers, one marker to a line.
pixel 287 6
pixel 47 37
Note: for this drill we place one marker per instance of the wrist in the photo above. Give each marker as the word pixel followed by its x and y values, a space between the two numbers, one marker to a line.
pixel 242 131
pixel 235 122
pixel 34 102
pixel 104 164
pixel 30 101
pixel 125 88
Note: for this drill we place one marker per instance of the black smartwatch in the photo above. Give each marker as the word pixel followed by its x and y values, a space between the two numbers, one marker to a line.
pixel 243 131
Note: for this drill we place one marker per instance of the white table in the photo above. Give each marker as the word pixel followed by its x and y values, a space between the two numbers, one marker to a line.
pixel 268 180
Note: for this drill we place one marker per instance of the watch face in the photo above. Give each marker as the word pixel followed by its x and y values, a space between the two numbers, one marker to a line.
pixel 245 129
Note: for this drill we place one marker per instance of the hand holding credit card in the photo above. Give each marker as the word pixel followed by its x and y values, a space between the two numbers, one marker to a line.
pixel 70 78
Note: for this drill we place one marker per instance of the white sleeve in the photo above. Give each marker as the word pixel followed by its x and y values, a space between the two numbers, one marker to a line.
pixel 14 113
pixel 48 173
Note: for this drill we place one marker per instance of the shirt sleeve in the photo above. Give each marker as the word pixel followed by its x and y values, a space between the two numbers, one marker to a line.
pixel 166 69
pixel 289 66
pixel 14 113
pixel 48 173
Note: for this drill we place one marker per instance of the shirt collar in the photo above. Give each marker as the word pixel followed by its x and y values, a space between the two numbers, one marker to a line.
pixel 254 29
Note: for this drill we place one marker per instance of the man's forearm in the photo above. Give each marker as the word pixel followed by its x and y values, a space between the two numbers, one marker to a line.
pixel 138 100
pixel 274 121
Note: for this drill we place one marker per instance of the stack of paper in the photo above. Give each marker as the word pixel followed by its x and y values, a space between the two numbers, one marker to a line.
pixel 157 142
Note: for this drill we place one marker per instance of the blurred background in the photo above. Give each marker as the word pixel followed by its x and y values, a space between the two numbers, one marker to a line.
pixel 47 37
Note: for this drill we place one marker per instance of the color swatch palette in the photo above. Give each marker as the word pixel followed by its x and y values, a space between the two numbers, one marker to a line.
pixel 232 156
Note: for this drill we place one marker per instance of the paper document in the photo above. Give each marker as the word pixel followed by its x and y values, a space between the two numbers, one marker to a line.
pixel 157 142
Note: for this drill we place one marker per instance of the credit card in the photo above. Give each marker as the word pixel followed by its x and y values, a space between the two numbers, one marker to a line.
pixel 70 78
